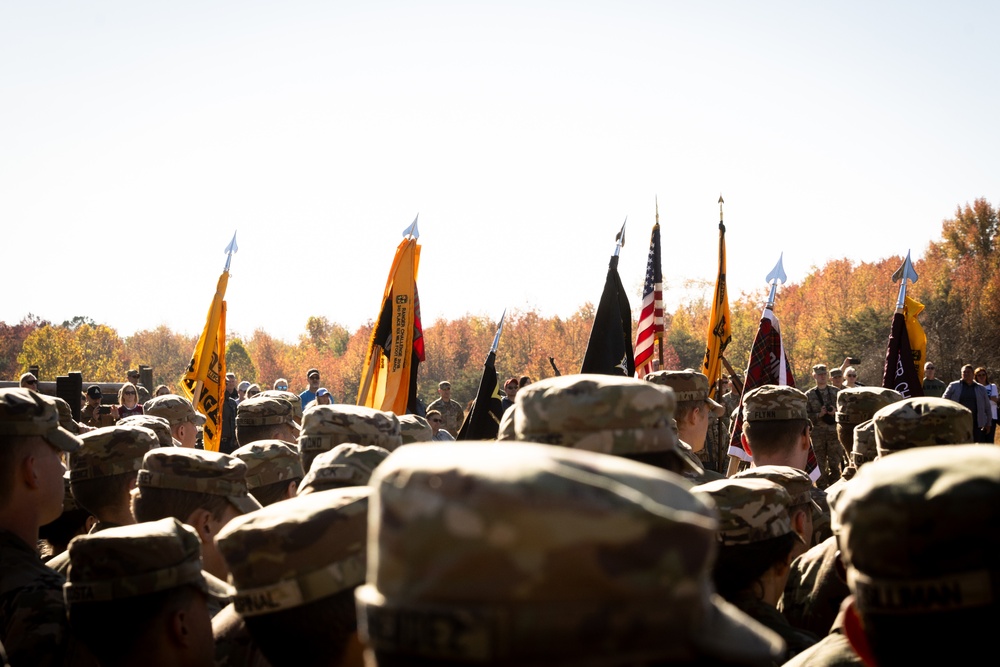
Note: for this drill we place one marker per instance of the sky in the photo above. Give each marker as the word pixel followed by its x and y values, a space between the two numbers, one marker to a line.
pixel 137 137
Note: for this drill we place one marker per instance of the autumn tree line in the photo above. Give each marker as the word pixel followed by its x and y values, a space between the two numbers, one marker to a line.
pixel 840 309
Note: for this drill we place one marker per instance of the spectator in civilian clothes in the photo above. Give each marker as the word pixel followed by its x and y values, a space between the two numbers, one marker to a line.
pixel 973 396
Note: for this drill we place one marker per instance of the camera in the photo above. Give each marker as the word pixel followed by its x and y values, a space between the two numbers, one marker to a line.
pixel 104 410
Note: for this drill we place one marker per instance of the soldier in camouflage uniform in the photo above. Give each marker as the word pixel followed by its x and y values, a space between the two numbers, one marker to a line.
pixel 817 584
pixel 268 417
pixel 525 554
pixel 177 410
pixel 33 625
pixel 158 425
pixel 694 407
pixel 602 413
pixel 136 595
pixel 344 465
pixel 451 411
pixel 756 545
pixel 414 428
pixel 822 408
pixel 802 510
pixel 854 406
pixel 203 489
pixel 326 426
pixel 274 471
pixel 919 534
pixel 103 473
pixel 295 567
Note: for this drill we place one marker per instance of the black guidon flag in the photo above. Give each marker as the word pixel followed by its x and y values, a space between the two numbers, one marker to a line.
pixel 483 420
pixel 900 372
pixel 609 351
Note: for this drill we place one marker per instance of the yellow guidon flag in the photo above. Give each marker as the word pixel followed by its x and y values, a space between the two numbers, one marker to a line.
pixel 204 383
pixel 388 380
pixel 915 332
pixel 719 324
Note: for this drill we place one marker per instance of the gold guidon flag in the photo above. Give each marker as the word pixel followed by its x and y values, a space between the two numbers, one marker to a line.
pixel 388 379
pixel 915 332
pixel 204 383
pixel 719 324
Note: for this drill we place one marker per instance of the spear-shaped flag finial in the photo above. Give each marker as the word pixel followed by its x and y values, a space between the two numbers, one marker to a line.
pixel 656 200
pixel 412 229
pixel 720 207
pixel 496 338
pixel 904 273
pixel 620 238
pixel 774 278
pixel 230 249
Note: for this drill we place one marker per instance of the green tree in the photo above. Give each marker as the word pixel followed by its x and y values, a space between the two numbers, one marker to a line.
pixel 238 361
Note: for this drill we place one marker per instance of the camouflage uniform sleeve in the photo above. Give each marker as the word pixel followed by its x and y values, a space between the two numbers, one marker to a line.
pixel 35 631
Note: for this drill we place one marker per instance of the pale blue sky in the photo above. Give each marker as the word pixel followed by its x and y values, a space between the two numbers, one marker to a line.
pixel 136 136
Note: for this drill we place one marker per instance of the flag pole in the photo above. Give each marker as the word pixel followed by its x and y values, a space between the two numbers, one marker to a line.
pixel 230 250
pixel 903 274
pixel 659 336
pixel 620 238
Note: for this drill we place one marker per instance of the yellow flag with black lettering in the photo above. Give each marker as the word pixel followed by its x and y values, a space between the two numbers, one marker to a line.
pixel 915 332
pixel 204 384
pixel 388 381
pixel 719 324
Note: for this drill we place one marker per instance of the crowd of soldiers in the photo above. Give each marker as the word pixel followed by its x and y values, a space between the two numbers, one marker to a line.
pixel 589 533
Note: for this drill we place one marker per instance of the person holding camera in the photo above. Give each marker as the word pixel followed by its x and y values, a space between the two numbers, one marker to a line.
pixel 821 405
pixel 93 413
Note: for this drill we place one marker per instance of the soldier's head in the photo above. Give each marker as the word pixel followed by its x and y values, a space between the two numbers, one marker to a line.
pixel 859 404
pixel 919 533
pixel 837 377
pixel 802 508
pixel 414 428
pixel 268 417
pixel 602 413
pixel 863 449
pixel 820 375
pixel 274 471
pixel 326 426
pixel 693 404
pixel 133 376
pixel 177 410
pixel 203 489
pixel 103 471
pixel 31 447
pixel 518 549
pixel 776 426
pixel 158 425
pixel 756 537
pixel 347 464
pixel 444 390
pixel 295 566
pixel 133 588
pixel 921 422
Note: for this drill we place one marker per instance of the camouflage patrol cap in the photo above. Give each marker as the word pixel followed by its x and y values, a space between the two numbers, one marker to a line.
pixel 769 403
pixel 297 551
pixel 864 449
pixel 414 428
pixel 819 368
pixel 158 425
pixel 66 416
pixel 517 548
pixel 293 399
pixel 269 462
pixel 25 412
pixel 598 413
pixel 688 385
pixel 197 471
pixel 836 373
pixel 921 422
pixel 920 531
pixel 266 411
pixel 326 426
pixel 750 510
pixel 175 409
pixel 506 429
pixel 859 404
pixel 112 450
pixel 69 501
pixel 796 482
pixel 128 561
pixel 347 464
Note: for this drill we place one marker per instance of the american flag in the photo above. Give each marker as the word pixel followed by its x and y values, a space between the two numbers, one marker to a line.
pixel 651 319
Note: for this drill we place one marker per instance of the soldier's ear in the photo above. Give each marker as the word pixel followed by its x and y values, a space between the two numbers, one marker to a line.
pixel 854 630
pixel 200 520
pixel 746 443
